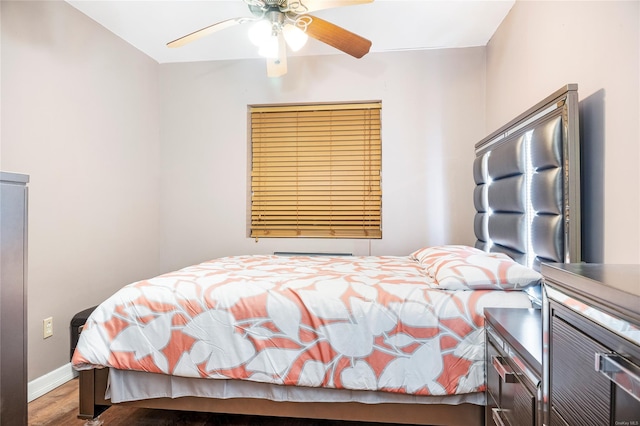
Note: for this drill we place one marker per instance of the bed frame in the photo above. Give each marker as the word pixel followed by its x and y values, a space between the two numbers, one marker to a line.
pixel 527 199
pixel 527 175
pixel 92 403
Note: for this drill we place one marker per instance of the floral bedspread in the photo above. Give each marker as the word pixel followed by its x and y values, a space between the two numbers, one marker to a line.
pixel 365 323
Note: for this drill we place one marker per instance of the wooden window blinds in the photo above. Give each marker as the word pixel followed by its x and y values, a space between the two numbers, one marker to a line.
pixel 316 171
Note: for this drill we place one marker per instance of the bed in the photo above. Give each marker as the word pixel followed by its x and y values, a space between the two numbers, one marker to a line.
pixel 395 339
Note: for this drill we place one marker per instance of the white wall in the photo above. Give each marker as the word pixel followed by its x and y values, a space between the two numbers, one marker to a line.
pixel 543 45
pixel 432 115
pixel 80 116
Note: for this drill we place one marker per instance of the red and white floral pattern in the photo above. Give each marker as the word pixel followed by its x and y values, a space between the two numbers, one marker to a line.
pixel 366 323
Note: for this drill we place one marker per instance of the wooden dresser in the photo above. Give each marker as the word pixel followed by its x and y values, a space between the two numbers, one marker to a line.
pixel 591 344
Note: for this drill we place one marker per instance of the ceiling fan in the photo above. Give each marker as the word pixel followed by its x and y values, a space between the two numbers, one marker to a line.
pixel 282 23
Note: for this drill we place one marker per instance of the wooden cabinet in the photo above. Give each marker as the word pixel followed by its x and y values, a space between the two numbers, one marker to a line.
pixel 513 366
pixel 13 266
pixel 592 356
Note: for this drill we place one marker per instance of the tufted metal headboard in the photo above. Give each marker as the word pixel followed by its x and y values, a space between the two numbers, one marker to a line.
pixel 527 175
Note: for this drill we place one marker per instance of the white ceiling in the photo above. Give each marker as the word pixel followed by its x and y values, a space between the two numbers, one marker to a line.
pixel 391 25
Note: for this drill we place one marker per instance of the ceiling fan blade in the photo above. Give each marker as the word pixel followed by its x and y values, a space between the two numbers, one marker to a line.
pixel 208 30
pixel 338 37
pixel 313 5
pixel 277 67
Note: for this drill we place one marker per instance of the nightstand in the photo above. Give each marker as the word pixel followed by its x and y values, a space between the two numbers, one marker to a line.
pixel 513 366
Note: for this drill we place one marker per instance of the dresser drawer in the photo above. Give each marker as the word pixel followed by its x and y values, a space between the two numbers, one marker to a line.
pixel 587 356
pixel 510 393
pixel 580 394
pixel 518 404
pixel 493 378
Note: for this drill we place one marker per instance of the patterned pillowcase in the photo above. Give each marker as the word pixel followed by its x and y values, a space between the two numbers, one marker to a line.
pixel 457 267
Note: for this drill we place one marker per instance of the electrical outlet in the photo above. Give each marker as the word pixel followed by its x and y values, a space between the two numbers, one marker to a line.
pixel 47 327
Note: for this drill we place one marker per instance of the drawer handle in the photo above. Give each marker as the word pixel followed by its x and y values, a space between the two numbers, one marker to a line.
pixel 620 371
pixel 503 370
pixel 497 417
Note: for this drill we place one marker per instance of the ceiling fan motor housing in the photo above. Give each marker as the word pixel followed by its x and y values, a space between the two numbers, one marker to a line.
pixel 259 7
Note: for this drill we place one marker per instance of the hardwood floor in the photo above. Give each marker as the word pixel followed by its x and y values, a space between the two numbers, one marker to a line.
pixel 60 407
pixel 57 407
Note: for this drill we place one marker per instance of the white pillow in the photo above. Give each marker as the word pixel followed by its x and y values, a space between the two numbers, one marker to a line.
pixel 458 267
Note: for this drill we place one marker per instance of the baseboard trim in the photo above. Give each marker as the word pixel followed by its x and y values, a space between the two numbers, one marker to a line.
pixel 43 384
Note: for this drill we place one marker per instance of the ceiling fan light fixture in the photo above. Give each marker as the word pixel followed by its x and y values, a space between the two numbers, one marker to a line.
pixel 270 47
pixel 260 32
pixel 295 37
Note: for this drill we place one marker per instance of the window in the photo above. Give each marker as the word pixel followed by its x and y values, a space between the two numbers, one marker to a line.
pixel 316 171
